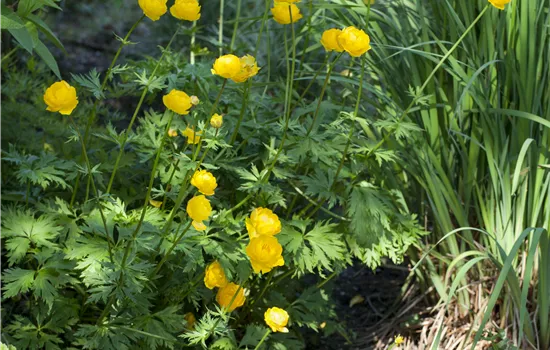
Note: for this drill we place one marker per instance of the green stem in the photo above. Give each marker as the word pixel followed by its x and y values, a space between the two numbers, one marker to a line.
pixel 267 333
pixel 92 114
pixel 169 251
pixel 241 116
pixel 325 84
pixel 419 92
pixel 136 111
pixel 220 28
pixel 28 194
pixel 264 289
pixel 235 26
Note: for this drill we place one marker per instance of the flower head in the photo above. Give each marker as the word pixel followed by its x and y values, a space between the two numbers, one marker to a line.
pixel 187 10
pixel 172 132
pixel 285 12
pixel 204 181
pixel 61 97
pixel 153 8
pixel 355 41
pixel 226 66
pixel 190 319
pixel 263 221
pixel 499 4
pixel 195 100
pixel 277 319
pixel 192 136
pixel 177 101
pixel 399 339
pixel 216 121
pixel 265 253
pixel 329 40
pixel 214 276
pixel 231 292
pixel 249 68
pixel 199 209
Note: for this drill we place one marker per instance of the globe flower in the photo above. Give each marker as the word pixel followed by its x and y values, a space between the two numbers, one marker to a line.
pixel 153 8
pixel 204 181
pixel 226 66
pixel 263 221
pixel 187 10
pixel 61 97
pixel 192 136
pixel 172 133
pixel 282 12
pixel 277 319
pixel 499 4
pixel 355 41
pixel 329 40
pixel 216 121
pixel 177 101
pixel 199 209
pixel 226 294
pixel 191 320
pixel 249 68
pixel 265 253
pixel 195 100
pixel 399 339
pixel 214 276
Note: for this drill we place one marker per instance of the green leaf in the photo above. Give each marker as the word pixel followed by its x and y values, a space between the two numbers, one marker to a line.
pixel 46 30
pixel 91 82
pixel 28 6
pixel 17 281
pixel 23 37
pixel 253 335
pixel 9 19
pixel 48 58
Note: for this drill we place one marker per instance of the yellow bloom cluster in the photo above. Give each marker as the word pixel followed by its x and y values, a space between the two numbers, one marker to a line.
pixel 61 97
pixel 205 182
pixel 177 101
pixel 231 296
pixel 499 4
pixel 277 319
pixel 285 11
pixel 264 250
pixel 199 209
pixel 187 10
pixel 237 69
pixel 352 40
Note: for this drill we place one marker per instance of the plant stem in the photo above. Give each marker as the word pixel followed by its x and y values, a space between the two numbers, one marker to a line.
pixel 136 111
pixel 169 251
pixel 28 193
pixel 92 114
pixel 267 333
pixel 325 84
pixel 241 116
pixel 235 26
pixel 220 28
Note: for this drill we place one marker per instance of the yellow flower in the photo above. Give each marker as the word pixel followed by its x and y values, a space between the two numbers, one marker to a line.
pixel 399 339
pixel 153 8
pixel 187 10
pixel 276 318
pixel 226 294
pixel 499 4
pixel 61 97
pixel 355 41
pixel 216 121
pixel 282 12
pixel 204 181
pixel 190 319
pixel 155 203
pixel 226 66
pixel 199 209
pixel 192 136
pixel 329 40
pixel 249 68
pixel 265 253
pixel 172 133
pixel 195 100
pixel 263 221
pixel 177 101
pixel 214 276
